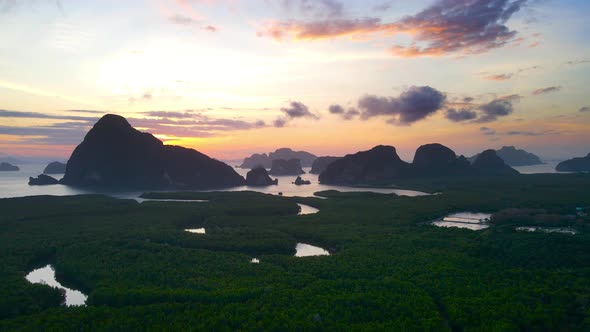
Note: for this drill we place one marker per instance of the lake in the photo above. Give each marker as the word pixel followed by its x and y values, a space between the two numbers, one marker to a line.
pixel 46 276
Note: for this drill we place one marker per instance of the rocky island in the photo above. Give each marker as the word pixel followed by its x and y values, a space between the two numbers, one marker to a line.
pixel 379 165
pixel 114 154
pixel 438 160
pixel 55 168
pixel 286 167
pixel 581 164
pixel 320 164
pixel 6 167
pixel 265 160
pixel 382 165
pixel 258 177
pixel 489 163
pixel 515 157
pixel 300 182
pixel 42 180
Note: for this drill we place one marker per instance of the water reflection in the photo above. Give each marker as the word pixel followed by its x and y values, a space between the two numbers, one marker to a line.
pixel 141 200
pixel 560 230
pixel 46 276
pixel 466 220
pixel 15 184
pixel 196 230
pixel 547 167
pixel 306 209
pixel 306 250
pixel 473 227
pixel 288 189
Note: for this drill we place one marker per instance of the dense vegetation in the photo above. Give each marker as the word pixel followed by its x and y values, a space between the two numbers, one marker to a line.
pixel 389 269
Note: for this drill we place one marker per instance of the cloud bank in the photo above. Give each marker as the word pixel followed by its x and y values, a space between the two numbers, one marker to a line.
pixel 447 27
pixel 418 103
pixel 71 129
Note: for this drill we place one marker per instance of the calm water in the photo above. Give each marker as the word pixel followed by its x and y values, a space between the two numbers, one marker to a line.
pixel 15 184
pixel 46 276
pixel 548 167
pixel 307 250
pixel 196 231
pixel 287 187
pixel 467 220
pixel 473 227
pixel 306 209
pixel 561 230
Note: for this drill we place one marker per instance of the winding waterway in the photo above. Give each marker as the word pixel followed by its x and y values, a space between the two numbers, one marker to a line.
pixel 46 276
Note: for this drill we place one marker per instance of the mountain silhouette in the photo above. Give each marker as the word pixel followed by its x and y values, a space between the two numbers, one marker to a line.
pixel 321 163
pixel 581 164
pixel 378 165
pixel 382 165
pixel 7 167
pixel 114 154
pixel 264 160
pixel 515 157
pixel 55 168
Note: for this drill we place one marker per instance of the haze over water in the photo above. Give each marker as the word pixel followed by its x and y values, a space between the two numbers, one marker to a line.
pixel 15 184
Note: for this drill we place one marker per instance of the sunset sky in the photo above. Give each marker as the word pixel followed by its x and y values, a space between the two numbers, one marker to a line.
pixel 234 77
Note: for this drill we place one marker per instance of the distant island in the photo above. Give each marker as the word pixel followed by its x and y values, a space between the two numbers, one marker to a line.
pixel 581 164
pixel 265 160
pixel 321 163
pixel 300 182
pixel 286 167
pixel 7 167
pixel 42 180
pixel 515 157
pixel 258 177
pixel 55 168
pixel 382 165
pixel 114 154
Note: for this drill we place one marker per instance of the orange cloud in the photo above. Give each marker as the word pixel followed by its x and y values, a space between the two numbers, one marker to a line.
pixel 499 77
pixel 465 27
pixel 327 29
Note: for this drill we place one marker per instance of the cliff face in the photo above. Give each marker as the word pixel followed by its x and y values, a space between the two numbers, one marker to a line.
pixel 581 164
pixel 263 160
pixel 381 165
pixel 55 168
pixel 320 164
pixel 258 177
pixel 114 154
pixel 378 165
pixel 515 157
pixel 255 161
pixel 488 163
pixel 42 180
pixel 6 167
pixel 286 167
pixel 439 160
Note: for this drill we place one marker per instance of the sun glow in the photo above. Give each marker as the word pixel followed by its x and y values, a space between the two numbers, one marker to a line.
pixel 183 69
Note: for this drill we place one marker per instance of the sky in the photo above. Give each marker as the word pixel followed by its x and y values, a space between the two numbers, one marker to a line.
pixel 235 77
